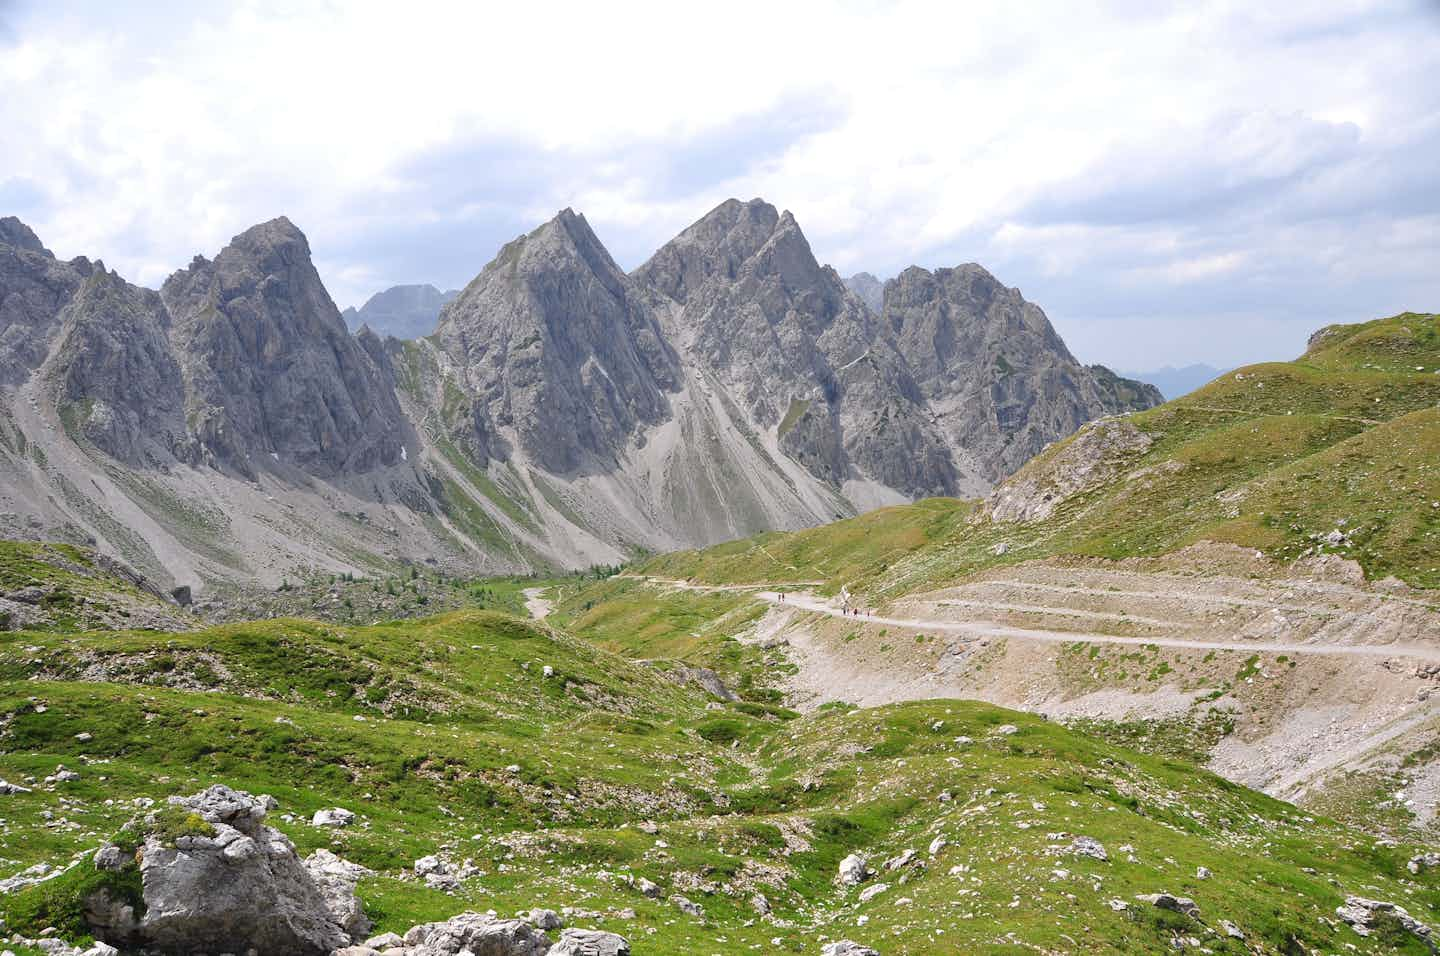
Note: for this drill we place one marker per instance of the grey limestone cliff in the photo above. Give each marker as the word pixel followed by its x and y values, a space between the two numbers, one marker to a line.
pixel 270 369
pixel 556 343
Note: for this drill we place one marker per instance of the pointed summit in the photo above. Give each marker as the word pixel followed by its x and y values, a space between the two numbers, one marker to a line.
pixel 272 372
pixel 558 344
pixel 716 244
pixel 870 290
pixel 15 233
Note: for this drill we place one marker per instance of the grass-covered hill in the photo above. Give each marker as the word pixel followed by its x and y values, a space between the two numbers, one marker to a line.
pixel 1336 452
pixel 47 586
pixel 569 776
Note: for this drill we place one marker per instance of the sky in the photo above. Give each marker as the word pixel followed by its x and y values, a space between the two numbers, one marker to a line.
pixel 1172 183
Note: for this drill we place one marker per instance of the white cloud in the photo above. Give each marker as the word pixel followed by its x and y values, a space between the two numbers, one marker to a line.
pixel 1103 157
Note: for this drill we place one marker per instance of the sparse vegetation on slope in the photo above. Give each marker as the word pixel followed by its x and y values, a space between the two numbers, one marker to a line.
pixel 64 587
pixel 854 551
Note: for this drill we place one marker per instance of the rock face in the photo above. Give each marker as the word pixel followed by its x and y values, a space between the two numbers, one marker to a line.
pixel 989 364
pixel 270 369
pixel 228 883
pixel 230 429
pixel 800 354
pixel 34 287
pixel 402 311
pixel 118 379
pixel 558 346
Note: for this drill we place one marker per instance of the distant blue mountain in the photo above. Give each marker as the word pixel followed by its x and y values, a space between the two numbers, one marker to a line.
pixel 404 311
pixel 1174 382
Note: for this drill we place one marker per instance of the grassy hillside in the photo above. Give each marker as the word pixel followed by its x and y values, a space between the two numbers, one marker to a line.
pixel 629 617
pixel 63 586
pixel 855 550
pixel 567 788
pixel 1337 452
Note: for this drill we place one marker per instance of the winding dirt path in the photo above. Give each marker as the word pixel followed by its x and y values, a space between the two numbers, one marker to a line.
pixel 806 601
pixel 536 604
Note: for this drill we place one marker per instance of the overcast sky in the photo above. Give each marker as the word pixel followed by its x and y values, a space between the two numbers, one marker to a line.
pixel 1172 183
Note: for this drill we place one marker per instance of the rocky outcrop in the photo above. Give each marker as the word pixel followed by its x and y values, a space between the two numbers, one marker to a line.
pixel 271 372
pixel 1367 916
pixel 845 947
pixel 1099 452
pixel 402 311
pixel 477 934
pixel 558 346
pixel 215 878
pixel 590 942
pixel 482 934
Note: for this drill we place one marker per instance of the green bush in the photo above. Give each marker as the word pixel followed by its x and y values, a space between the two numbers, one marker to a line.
pixel 60 903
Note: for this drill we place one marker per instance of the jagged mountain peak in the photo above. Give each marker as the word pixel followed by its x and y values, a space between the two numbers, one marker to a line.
pixel 270 368
pixel 15 233
pixel 277 231
pixel 786 253
pixel 715 244
pixel 559 346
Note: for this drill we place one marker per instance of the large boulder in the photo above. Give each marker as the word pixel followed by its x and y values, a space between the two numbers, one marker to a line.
pixel 336 878
pixel 215 878
pixel 477 934
pixel 590 942
pixel 852 871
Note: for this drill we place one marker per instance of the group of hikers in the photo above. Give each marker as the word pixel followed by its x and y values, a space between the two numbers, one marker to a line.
pixel 847 609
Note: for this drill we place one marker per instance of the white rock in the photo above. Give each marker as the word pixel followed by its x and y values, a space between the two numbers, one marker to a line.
pixel 845 947
pixel 872 891
pixel 590 942
pixel 853 870
pixel 332 817
pixel 688 906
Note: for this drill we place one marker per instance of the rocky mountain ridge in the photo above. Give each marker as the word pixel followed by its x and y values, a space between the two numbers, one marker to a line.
pixel 230 427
